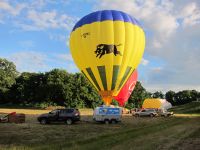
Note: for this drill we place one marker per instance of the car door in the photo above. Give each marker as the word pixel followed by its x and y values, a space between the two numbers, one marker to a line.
pixel 62 115
pixel 143 113
pixel 53 115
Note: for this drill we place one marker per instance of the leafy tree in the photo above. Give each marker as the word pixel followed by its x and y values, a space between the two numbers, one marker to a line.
pixel 27 88
pixel 137 97
pixel 195 95
pixel 58 86
pixel 84 94
pixel 183 97
pixel 170 97
pixel 8 73
pixel 158 94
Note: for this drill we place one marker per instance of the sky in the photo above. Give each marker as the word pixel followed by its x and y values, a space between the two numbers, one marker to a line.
pixel 34 34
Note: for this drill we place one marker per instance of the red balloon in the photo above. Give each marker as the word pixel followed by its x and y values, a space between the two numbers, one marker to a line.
pixel 127 89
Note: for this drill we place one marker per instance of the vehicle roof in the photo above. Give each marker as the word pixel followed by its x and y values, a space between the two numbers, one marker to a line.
pixel 65 109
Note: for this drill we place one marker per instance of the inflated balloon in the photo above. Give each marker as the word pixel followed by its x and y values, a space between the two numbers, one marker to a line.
pixel 127 89
pixel 107 46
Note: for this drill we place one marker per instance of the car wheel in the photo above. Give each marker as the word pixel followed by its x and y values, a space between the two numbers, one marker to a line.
pixel 136 115
pixel 151 115
pixel 43 121
pixel 69 121
pixel 113 121
pixel 106 121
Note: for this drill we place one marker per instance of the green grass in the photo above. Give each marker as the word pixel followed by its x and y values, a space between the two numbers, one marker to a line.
pixel 190 108
pixel 131 133
pixel 140 133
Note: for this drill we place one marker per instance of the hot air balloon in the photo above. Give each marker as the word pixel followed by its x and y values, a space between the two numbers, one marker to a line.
pixel 107 47
pixel 127 89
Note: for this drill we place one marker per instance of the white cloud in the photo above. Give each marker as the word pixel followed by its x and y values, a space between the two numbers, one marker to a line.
pixel 33 16
pixel 144 62
pixel 156 69
pixel 38 4
pixel 33 61
pixel 47 20
pixel 188 10
pixel 167 87
pixel 29 61
pixel 43 20
pixel 65 57
pixel 13 10
pixel 156 44
pixel 157 17
pixel 190 14
pixel 58 37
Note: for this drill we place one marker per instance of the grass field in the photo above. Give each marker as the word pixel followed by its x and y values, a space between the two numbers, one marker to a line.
pixel 132 133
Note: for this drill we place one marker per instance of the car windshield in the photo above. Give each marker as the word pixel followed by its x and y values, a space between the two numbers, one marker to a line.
pixel 152 110
pixel 54 111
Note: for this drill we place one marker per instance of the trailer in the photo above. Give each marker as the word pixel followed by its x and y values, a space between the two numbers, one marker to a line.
pixel 107 114
pixel 13 118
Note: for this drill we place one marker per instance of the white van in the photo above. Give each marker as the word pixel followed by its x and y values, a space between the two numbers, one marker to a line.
pixel 107 114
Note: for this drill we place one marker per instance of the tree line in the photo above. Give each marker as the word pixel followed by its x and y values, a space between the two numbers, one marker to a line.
pixel 60 88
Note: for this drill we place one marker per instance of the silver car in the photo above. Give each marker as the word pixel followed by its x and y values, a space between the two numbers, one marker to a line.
pixel 146 112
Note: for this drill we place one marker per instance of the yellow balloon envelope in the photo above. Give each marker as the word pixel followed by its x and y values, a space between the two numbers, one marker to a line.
pixel 107 46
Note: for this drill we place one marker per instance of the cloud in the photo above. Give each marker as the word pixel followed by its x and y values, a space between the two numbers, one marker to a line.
pixel 58 37
pixel 65 57
pixel 43 20
pixel 34 15
pixel 33 61
pixel 29 61
pixel 65 60
pixel 47 20
pixel 156 44
pixel 156 69
pixel 174 87
pixel 5 6
pixel 158 18
pixel 190 14
pixel 144 62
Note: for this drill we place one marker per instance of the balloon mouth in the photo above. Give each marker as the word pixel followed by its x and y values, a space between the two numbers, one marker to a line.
pixel 107 97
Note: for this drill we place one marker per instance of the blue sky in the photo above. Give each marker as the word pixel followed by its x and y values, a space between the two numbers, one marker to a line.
pixel 34 35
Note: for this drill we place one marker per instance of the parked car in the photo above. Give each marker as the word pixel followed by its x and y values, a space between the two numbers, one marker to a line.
pixel 146 112
pixel 107 114
pixel 68 116
pixel 164 113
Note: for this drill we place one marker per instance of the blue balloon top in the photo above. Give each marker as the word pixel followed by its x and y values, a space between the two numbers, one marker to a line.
pixel 104 15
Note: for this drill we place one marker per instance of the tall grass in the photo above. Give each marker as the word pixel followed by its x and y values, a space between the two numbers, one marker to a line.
pixel 131 133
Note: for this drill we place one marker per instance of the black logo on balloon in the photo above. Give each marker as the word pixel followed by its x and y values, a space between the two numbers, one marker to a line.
pixel 84 35
pixel 103 49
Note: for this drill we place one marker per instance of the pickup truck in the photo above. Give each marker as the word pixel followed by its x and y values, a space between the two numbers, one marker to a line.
pixel 68 116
